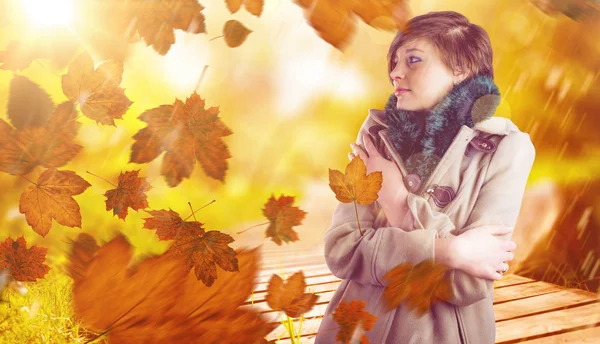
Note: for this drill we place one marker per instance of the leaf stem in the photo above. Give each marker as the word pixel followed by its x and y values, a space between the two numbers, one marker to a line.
pixel 260 224
pixel 102 179
pixel 215 37
pixel 27 179
pixel 194 211
pixel 38 62
pixel 201 77
pixel 356 211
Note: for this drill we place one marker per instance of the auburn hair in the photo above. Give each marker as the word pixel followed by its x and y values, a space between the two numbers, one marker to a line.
pixel 462 45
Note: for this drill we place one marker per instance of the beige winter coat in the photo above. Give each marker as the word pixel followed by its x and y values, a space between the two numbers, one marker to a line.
pixel 488 187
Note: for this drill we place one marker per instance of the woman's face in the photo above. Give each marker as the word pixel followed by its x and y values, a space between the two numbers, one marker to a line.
pixel 419 68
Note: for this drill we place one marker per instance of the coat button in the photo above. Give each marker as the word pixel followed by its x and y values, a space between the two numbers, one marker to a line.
pixel 412 182
pixel 442 195
pixel 483 145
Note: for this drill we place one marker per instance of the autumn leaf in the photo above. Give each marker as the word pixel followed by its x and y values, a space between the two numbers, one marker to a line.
pixel 187 132
pixel 352 319
pixel 253 6
pixel 282 216
pixel 28 104
pixel 96 91
pixel 355 185
pixel 334 21
pixel 50 146
pixel 235 33
pixel 578 10
pixel 157 301
pixel 81 255
pixel 202 250
pixel 129 193
pixel 289 296
pixel 23 264
pixel 419 285
pixel 155 21
pixel 56 44
pixel 52 198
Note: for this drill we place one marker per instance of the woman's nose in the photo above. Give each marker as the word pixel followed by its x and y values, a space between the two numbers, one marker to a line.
pixel 397 73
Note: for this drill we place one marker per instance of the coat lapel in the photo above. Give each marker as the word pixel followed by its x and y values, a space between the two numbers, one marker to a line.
pixel 493 125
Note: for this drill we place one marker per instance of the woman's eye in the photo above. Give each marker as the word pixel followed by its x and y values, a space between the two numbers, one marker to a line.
pixel 416 59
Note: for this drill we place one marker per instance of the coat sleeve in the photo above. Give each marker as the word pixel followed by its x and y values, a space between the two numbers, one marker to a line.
pixel 498 203
pixel 366 259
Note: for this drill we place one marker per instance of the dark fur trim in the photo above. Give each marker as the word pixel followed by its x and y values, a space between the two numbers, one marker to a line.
pixel 422 137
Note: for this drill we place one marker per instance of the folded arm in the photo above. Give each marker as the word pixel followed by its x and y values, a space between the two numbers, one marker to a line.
pixel 498 203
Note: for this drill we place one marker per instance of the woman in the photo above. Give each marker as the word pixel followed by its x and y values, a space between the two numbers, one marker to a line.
pixel 453 181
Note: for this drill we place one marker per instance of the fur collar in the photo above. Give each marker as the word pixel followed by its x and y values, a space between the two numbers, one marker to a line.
pixel 422 137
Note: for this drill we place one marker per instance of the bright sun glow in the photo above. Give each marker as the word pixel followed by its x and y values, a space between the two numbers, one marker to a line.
pixel 46 12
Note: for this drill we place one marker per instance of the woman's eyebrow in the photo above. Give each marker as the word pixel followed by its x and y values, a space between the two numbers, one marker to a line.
pixel 411 49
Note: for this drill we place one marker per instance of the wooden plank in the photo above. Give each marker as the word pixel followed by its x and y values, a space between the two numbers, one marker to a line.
pixel 310 280
pixel 521 291
pixel 541 303
pixel 587 335
pixel 554 322
pixel 305 261
pixel 265 275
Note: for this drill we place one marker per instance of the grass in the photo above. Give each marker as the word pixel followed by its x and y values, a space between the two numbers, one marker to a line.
pixel 43 314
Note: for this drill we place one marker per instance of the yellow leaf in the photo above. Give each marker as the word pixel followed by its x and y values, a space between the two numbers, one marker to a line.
pixel 235 33
pixel 355 185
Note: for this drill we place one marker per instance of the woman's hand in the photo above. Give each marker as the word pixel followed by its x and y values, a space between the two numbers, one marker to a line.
pixel 392 195
pixel 479 253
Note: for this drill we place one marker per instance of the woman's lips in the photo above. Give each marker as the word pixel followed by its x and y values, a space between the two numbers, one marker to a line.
pixel 401 91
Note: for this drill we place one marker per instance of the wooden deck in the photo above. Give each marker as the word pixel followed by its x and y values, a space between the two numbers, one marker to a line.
pixel 526 310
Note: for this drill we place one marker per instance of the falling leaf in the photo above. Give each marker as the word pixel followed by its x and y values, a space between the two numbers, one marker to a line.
pixel 82 252
pixel 155 21
pixel 282 216
pixel 289 296
pixel 578 10
pixel 253 6
pixel 28 104
pixel 334 21
pixel 233 5
pixel 187 132
pixel 96 91
pixel 57 44
pixel 23 264
pixel 51 198
pixel 235 33
pixel 50 146
pixel 157 301
pixel 202 250
pixel 420 286
pixel 351 317
pixel 355 184
pixel 129 193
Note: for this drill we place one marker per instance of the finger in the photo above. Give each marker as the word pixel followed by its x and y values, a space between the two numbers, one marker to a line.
pixel 508 256
pixel 369 145
pixel 357 150
pixel 351 156
pixel 509 245
pixel 501 229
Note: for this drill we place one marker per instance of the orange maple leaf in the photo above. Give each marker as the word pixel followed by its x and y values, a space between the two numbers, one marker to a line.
pixel 50 146
pixel 420 285
pixel 253 6
pixel 282 216
pixel 96 91
pixel 202 250
pixel 130 193
pixel 155 21
pixel 23 264
pixel 51 198
pixel 187 132
pixel 158 301
pixel 353 321
pixel 355 185
pixel 289 296
pixel 334 22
